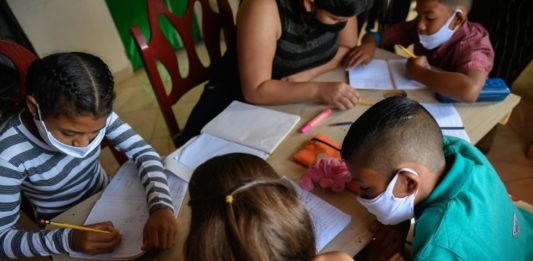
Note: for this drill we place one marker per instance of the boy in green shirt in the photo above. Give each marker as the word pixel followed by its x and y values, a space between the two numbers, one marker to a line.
pixel 405 169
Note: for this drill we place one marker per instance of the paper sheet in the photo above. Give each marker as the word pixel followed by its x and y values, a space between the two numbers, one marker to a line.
pixel 124 203
pixel 447 117
pixel 383 75
pixel 328 221
pixel 207 146
pixel 253 126
pixel 374 75
pixel 398 72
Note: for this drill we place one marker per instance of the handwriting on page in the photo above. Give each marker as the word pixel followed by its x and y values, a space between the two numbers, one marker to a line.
pixel 328 221
pixel 374 75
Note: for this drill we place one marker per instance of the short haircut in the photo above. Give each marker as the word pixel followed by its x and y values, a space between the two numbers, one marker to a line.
pixel 66 83
pixel 393 131
pixel 264 221
pixel 452 4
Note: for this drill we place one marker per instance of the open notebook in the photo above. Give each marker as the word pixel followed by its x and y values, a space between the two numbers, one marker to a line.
pixel 328 221
pixel 240 127
pixel 383 75
pixel 448 118
pixel 124 203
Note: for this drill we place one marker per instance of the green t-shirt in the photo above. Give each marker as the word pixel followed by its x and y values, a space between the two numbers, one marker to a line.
pixel 469 215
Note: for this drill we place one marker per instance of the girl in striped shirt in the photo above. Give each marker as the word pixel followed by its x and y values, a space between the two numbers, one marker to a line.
pixel 49 154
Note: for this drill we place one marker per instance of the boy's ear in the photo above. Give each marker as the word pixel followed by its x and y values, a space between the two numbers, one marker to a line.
pixel 32 104
pixel 412 182
pixel 309 5
pixel 459 19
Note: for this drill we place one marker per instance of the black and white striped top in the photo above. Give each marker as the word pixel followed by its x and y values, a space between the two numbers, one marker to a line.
pixel 54 182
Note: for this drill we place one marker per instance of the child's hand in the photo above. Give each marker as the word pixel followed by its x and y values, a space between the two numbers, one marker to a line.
pixel 160 231
pixel 360 55
pixel 94 242
pixel 387 242
pixel 415 64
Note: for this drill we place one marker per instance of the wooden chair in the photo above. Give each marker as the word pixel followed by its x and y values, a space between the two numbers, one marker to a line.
pixel 160 49
pixel 22 59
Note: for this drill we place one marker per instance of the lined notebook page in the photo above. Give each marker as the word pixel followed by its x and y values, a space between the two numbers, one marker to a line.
pixel 124 203
pixel 448 118
pixel 398 70
pixel 328 221
pixel 374 75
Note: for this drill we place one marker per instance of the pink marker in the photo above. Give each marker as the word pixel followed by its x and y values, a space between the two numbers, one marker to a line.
pixel 316 120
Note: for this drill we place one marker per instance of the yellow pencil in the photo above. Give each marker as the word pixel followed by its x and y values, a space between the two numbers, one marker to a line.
pixel 405 50
pixel 63 225
pixel 364 103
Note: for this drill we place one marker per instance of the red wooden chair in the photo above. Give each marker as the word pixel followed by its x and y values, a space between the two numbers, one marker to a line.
pixel 160 49
pixel 22 59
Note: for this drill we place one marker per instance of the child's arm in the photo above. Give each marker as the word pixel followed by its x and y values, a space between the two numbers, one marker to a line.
pixel 456 85
pixel 160 230
pixel 362 54
pixel 403 33
pixel 17 243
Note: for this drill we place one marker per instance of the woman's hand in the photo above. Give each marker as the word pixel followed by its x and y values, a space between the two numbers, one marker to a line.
pixel 360 55
pixel 340 95
pixel 95 242
pixel 160 231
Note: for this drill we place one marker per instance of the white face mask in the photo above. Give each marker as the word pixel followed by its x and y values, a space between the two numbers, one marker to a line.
pixel 388 209
pixel 435 40
pixel 77 152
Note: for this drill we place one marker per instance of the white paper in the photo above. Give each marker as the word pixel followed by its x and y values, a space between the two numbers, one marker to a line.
pixel 374 75
pixel 398 72
pixel 123 202
pixel 328 221
pixel 253 126
pixel 207 146
pixel 383 75
pixel 447 117
pixel 457 133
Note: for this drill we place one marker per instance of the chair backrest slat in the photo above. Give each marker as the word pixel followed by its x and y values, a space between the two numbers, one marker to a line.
pixel 160 49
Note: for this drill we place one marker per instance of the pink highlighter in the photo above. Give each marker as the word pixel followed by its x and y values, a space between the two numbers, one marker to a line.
pixel 316 120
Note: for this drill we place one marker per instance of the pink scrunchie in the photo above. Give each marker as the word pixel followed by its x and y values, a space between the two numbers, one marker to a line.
pixel 327 173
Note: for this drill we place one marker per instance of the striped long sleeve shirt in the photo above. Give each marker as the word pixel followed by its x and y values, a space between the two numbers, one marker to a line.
pixel 53 182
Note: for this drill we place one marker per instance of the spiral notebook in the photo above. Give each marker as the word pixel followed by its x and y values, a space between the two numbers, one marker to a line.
pixel 383 75
pixel 241 127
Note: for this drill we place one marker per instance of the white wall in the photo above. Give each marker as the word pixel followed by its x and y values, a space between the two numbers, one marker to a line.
pixel 73 25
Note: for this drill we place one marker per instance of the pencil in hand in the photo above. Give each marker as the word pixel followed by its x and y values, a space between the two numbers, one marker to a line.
pixel 64 225
pixel 406 51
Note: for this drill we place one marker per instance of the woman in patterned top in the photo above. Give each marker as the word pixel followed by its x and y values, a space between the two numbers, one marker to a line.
pixel 281 46
pixel 49 154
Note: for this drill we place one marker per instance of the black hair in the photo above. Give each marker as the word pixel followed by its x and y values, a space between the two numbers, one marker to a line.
pixel 65 83
pixel 394 130
pixel 452 4
pixel 344 7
